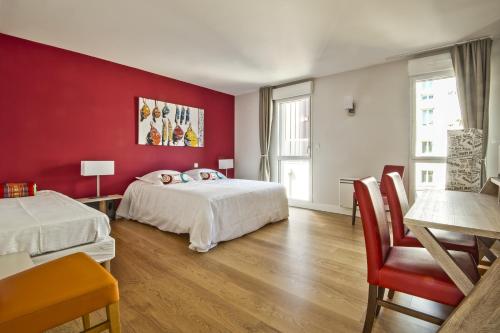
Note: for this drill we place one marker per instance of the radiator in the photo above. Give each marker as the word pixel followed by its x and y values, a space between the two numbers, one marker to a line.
pixel 346 190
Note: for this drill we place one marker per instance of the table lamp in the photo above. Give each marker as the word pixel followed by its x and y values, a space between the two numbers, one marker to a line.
pixel 97 168
pixel 226 164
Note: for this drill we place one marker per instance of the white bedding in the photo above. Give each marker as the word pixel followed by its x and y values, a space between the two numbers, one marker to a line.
pixel 210 211
pixel 48 221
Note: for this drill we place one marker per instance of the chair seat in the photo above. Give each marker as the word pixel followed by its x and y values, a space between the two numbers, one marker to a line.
pixel 414 271
pixel 54 293
pixel 450 240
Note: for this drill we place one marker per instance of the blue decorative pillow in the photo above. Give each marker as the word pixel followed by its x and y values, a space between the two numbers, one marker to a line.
pixel 167 179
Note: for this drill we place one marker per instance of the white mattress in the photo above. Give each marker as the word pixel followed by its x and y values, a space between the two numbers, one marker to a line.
pixel 100 251
pixel 210 211
pixel 47 222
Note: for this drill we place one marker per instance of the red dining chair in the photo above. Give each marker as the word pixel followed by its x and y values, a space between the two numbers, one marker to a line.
pixel 402 236
pixel 387 168
pixel 409 270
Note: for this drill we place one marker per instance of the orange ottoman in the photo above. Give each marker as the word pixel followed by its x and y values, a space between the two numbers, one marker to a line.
pixel 56 292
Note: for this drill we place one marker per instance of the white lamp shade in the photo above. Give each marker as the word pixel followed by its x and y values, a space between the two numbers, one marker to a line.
pixel 97 168
pixel 226 164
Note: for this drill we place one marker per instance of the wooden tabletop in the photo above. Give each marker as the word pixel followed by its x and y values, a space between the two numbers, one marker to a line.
pixel 464 212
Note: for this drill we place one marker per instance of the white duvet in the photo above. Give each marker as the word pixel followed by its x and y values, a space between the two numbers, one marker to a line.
pixel 210 211
pixel 49 221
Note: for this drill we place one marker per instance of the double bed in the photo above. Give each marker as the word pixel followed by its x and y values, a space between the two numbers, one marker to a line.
pixel 50 225
pixel 211 211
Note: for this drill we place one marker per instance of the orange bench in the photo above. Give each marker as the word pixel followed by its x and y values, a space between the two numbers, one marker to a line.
pixel 57 292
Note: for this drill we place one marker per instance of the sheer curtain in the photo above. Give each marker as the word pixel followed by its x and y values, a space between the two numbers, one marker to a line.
pixel 471 62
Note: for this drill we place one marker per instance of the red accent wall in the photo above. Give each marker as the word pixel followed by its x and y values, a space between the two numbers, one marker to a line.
pixel 59 107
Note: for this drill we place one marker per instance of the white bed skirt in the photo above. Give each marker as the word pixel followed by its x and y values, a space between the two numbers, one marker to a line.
pixel 101 251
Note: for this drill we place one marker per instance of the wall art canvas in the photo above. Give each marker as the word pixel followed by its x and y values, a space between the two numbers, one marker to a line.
pixel 167 124
pixel 463 163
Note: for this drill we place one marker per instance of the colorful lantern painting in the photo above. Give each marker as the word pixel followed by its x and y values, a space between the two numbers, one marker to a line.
pixel 182 128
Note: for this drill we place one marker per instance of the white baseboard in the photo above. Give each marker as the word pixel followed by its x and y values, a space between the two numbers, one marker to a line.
pixel 322 207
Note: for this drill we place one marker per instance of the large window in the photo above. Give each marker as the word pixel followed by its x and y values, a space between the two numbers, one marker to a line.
pixel 436 111
pixel 294 147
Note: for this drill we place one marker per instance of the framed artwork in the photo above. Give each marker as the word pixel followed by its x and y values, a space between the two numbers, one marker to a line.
pixel 167 124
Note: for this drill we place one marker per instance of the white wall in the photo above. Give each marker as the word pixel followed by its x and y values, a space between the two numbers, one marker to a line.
pixel 343 146
pixel 494 128
pixel 360 145
pixel 246 141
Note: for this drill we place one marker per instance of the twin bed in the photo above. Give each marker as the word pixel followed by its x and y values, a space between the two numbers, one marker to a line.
pixel 50 225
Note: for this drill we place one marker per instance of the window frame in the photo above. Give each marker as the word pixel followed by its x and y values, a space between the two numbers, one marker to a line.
pixel 414 159
pixel 308 157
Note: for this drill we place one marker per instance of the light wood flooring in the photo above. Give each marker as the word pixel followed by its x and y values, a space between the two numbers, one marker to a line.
pixel 307 274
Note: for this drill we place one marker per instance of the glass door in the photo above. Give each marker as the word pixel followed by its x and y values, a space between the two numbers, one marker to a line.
pixel 435 111
pixel 294 147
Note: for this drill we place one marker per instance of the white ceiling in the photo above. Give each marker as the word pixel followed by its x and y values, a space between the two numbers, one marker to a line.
pixel 236 46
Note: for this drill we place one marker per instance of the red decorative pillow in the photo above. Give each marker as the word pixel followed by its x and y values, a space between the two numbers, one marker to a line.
pixel 16 190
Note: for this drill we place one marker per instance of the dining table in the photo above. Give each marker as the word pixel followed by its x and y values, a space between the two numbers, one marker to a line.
pixel 470 213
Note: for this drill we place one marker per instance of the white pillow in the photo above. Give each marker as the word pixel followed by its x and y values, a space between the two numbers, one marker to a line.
pixel 196 173
pixel 155 176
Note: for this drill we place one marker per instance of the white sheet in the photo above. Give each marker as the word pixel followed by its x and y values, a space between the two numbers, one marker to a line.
pixel 210 211
pixel 47 222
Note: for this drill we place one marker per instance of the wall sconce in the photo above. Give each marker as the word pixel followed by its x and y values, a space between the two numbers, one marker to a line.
pixel 349 105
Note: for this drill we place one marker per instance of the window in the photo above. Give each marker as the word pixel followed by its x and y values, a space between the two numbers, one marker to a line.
pixel 436 110
pixel 427 117
pixel 294 147
pixel 426 147
pixel 427 84
pixel 427 176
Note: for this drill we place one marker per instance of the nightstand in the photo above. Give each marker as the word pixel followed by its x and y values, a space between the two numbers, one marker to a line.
pixel 102 200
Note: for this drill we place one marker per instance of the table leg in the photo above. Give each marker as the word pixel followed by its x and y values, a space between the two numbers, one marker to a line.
pixel 484 248
pixel 103 206
pixel 480 310
pixel 461 279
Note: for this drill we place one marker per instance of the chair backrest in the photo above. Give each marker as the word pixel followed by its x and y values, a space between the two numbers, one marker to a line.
pixel 398 204
pixel 391 168
pixel 377 238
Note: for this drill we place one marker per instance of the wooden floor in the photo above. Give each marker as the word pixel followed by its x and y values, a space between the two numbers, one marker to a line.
pixel 307 274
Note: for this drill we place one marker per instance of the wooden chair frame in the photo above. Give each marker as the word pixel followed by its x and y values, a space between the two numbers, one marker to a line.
pixel 376 301
pixel 112 322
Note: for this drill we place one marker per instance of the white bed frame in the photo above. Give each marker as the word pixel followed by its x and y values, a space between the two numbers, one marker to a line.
pixel 102 252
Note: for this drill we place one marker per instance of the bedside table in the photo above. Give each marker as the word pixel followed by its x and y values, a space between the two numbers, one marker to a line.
pixel 102 201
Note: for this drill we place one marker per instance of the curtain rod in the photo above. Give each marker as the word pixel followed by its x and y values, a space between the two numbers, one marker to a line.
pixel 434 49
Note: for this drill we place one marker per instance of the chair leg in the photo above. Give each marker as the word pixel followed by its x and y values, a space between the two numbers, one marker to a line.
pixel 354 206
pixel 113 314
pixel 370 309
pixel 390 294
pixel 380 295
pixel 86 321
